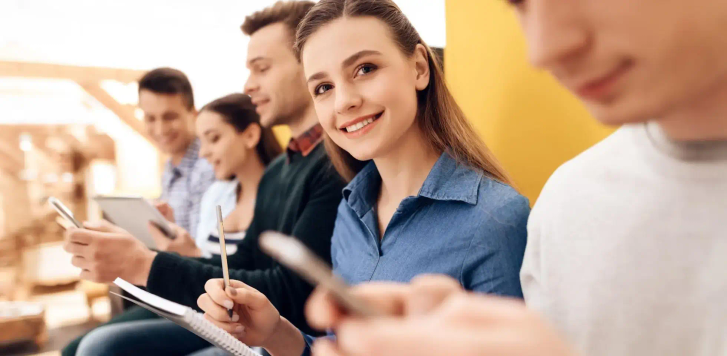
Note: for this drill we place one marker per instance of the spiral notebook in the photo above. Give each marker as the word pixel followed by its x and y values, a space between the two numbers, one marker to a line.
pixel 186 317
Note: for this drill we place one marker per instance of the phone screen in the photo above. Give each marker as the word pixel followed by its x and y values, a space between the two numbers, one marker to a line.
pixel 64 211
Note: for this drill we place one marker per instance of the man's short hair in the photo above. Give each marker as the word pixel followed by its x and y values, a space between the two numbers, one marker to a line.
pixel 168 81
pixel 290 13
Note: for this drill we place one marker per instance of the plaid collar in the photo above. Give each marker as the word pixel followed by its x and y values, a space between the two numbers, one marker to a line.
pixel 187 163
pixel 306 142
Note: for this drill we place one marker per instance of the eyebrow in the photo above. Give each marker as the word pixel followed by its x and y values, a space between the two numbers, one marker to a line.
pixel 256 59
pixel 347 62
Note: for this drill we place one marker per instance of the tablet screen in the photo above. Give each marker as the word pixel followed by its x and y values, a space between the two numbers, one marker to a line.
pixel 133 214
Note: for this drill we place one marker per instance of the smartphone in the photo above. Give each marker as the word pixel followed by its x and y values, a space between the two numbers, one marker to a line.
pixel 64 212
pixel 296 256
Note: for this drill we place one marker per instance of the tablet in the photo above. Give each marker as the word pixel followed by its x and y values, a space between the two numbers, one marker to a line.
pixel 133 214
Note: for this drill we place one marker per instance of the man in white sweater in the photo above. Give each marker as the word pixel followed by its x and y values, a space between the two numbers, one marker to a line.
pixel 627 245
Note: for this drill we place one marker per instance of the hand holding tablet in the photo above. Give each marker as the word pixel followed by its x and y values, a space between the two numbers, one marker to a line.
pixel 134 214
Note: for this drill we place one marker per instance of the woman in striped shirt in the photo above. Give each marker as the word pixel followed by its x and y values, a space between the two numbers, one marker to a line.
pixel 238 149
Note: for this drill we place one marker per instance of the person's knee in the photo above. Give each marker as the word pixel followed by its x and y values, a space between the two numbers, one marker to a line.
pixel 210 351
pixel 70 349
pixel 101 341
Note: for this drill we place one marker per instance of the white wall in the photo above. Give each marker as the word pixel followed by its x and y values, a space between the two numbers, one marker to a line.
pixel 201 38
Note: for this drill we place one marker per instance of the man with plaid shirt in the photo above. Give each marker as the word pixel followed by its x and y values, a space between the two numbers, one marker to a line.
pixel 165 96
pixel 184 184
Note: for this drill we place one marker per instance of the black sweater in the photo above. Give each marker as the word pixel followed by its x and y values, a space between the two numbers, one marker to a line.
pixel 298 197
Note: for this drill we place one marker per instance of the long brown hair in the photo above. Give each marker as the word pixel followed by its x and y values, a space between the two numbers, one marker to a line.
pixel 438 115
pixel 237 110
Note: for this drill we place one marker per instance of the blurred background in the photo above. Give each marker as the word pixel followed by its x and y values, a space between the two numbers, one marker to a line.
pixel 70 128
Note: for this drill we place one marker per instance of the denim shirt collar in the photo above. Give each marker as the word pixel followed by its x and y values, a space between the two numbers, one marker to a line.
pixel 448 180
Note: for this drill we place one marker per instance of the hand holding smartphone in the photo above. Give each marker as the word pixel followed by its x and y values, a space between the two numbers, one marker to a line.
pixel 64 212
pixel 296 256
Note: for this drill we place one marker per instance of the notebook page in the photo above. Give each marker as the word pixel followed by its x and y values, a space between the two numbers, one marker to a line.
pixel 151 299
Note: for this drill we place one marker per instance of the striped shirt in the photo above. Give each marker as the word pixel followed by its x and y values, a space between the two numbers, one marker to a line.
pixel 232 239
pixel 183 186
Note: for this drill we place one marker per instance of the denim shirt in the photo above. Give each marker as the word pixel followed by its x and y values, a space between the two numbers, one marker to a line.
pixel 462 224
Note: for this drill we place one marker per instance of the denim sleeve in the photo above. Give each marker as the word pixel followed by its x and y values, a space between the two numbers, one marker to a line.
pixel 308 344
pixel 335 239
pixel 495 255
pixel 309 340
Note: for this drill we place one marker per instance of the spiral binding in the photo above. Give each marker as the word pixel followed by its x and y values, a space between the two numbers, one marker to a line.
pixel 216 335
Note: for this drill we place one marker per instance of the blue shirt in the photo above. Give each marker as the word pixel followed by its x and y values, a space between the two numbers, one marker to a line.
pixel 183 186
pixel 462 224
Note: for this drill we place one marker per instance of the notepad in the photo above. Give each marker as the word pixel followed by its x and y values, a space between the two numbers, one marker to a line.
pixel 187 318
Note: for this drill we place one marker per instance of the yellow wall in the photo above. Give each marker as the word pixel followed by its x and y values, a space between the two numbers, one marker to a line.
pixel 282 133
pixel 530 122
